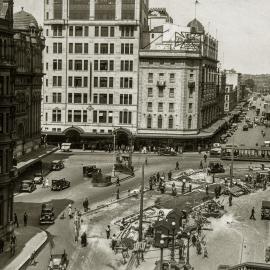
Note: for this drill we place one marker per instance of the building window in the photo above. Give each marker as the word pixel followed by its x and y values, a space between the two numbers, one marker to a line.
pixel 77 98
pixel 70 64
pixel 78 65
pixel 160 107
pixel 110 118
pixel 170 122
pixel 86 31
pixel 56 115
pixel 85 47
pixel 85 64
pixel 104 48
pixel 71 31
pixel 70 48
pixel 102 98
pixel 57 30
pixel 84 116
pixel 128 9
pixel 77 81
pixel 125 117
pixel 77 116
pixel 112 31
pixel 189 122
pixel 85 81
pixel 78 47
pixel 57 81
pixel 126 48
pixel 103 82
pixel 112 48
pixel 1 123
pixel 95 98
pixel 104 31
pixel 159 121
pixel 57 10
pixel 191 91
pixel 160 92
pixel 96 31
pixel 111 65
pixel 127 31
pixel 125 99
pixel 110 98
pixel 150 92
pixel 149 106
pixel 189 107
pixel 105 10
pixel 103 65
pixel 171 107
pixel 79 9
pixel 69 116
pixel 150 77
pixel 57 98
pixel 102 117
pixel 149 121
pixel 126 82
pixel 95 81
pixel 126 65
pixel 172 77
pixel 70 81
pixel 171 93
pixel 96 48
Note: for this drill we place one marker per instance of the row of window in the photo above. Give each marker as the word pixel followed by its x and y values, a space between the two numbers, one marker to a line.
pixel 103 82
pixel 104 31
pixel 103 98
pixel 160 122
pixel 160 107
pixel 4 123
pixel 77 81
pixel 4 85
pixel 5 156
pixel 99 48
pixel 161 77
pixel 78 31
pixel 78 64
pixel 161 92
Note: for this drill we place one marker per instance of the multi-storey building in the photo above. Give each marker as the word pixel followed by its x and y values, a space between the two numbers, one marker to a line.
pixel 7 114
pixel 91 65
pixel 29 43
pixel 178 85
pixel 232 91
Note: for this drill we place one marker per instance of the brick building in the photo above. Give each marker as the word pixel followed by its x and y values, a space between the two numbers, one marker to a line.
pixel 7 114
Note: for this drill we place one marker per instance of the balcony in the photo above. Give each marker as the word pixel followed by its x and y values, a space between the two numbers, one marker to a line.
pixel 161 83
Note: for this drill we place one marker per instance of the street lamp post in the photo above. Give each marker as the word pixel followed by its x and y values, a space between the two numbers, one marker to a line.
pixel 173 231
pixel 161 253
pixel 188 238
pixel 113 168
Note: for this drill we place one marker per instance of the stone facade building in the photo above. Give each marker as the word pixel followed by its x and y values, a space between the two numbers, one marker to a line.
pixel 28 43
pixel 7 114
pixel 91 66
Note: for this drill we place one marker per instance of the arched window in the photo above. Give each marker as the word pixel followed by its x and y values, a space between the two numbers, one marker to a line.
pixel 170 122
pixel 159 121
pixel 189 122
pixel 149 121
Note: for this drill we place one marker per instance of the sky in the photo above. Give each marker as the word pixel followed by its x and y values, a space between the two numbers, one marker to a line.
pixel 241 26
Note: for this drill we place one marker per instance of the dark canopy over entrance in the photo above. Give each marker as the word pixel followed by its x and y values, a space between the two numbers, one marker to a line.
pixel 123 137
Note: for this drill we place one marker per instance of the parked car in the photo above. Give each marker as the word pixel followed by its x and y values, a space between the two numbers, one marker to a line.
pixel 38 178
pixel 58 261
pixel 57 165
pixel 60 184
pixel 215 152
pixel 28 186
pixel 265 210
pixel 89 170
pixel 245 127
pixel 166 152
pixel 47 214
pixel 216 167
pixel 65 147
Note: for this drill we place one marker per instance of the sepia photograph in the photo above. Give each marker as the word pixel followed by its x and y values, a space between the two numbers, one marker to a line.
pixel 134 135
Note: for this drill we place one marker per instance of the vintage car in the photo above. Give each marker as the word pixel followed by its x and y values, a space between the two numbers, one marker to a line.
pixel 65 147
pixel 245 127
pixel 58 261
pixel 216 167
pixel 27 186
pixel 265 210
pixel 38 178
pixel 166 152
pixel 215 152
pixel 60 184
pixel 57 165
pixel 90 170
pixel 47 214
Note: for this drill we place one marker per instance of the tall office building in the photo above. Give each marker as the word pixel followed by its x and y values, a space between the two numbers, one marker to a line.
pixel 7 114
pixel 91 62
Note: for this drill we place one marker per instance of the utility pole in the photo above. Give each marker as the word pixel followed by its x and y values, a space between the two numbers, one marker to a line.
pixel 113 168
pixel 232 159
pixel 141 206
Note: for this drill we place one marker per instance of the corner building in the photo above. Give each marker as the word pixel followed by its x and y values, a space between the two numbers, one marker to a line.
pixel 7 115
pixel 91 61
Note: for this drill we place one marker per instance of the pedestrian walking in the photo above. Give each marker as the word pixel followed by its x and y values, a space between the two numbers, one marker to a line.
pixel 201 165
pixel 70 211
pixel 230 199
pixel 117 194
pixel 2 244
pixel 16 220
pixel 151 183
pixel 117 181
pixel 193 240
pixel 146 161
pixel 205 252
pixel 252 214
pixel 114 242
pixel 108 231
pixel 169 175
pixel 190 187
pixel 205 157
pixel 25 219
pixel 158 176
pixel 12 244
pixel 177 165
